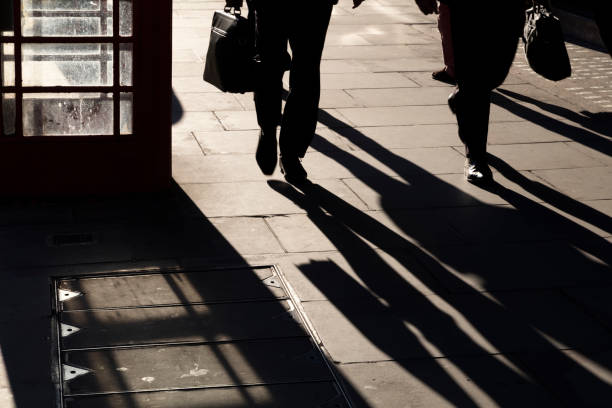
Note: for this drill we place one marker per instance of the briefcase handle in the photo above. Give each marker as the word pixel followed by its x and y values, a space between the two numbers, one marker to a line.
pixel 233 5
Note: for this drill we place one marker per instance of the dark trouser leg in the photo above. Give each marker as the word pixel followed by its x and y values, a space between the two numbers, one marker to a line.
pixel 272 48
pixel 444 26
pixel 307 38
pixel 473 121
pixel 483 50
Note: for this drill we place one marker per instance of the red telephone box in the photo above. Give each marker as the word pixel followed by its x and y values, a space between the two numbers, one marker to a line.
pixel 86 96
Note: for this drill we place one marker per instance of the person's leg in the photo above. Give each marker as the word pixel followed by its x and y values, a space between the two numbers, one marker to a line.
pixel 299 121
pixel 271 42
pixel 483 52
pixel 447 74
pixel 307 39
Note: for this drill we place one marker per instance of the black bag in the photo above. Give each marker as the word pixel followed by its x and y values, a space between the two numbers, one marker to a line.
pixel 231 59
pixel 544 44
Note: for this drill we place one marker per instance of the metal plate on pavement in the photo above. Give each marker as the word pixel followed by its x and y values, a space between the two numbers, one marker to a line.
pixel 196 366
pixel 180 324
pixel 185 339
pixel 155 289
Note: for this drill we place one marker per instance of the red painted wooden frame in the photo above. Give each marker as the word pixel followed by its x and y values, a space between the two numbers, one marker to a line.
pixel 100 164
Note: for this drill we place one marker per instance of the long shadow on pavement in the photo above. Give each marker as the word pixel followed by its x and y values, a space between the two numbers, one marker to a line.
pixel 592 130
pixel 492 297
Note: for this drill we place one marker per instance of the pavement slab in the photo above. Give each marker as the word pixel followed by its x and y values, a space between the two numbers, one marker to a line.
pixel 580 183
pixel 542 156
pixel 445 383
pixel 197 121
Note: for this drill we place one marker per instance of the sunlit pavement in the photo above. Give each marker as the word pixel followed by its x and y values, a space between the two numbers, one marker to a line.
pixel 421 289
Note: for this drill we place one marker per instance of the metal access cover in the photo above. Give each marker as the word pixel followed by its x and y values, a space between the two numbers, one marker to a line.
pixel 225 337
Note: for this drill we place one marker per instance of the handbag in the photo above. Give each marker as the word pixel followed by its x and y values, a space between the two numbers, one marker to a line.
pixel 231 58
pixel 544 44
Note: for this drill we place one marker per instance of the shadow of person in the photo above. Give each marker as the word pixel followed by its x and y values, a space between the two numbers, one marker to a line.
pixel 594 128
pixel 387 303
pixel 495 279
pixel 553 197
pixel 450 325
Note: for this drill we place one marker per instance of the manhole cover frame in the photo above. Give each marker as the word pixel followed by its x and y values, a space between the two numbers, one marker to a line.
pixel 57 368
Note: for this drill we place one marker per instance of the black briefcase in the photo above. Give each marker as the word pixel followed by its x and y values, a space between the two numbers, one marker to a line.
pixel 231 58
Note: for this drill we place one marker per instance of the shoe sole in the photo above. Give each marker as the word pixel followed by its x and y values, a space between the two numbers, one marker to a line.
pixel 476 180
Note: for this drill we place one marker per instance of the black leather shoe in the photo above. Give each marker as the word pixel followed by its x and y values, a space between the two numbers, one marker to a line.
pixel 443 76
pixel 266 152
pixel 477 172
pixel 292 168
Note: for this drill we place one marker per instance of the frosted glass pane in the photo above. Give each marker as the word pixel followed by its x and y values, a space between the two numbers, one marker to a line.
pixel 125 18
pixel 65 27
pixel 66 18
pixel 70 114
pixel 8 64
pixel 125 69
pixel 67 64
pixel 126 113
pixel 61 5
pixel 8 114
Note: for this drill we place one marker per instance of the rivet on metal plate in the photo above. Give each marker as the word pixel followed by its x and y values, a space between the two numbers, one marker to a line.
pixel 65 295
pixel 71 372
pixel 68 330
pixel 272 281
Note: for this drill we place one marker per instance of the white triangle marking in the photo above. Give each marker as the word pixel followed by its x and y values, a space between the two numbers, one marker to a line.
pixel 65 295
pixel 68 330
pixel 70 372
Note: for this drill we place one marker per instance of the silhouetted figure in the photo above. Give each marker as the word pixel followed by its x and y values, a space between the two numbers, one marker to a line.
pixel 303 26
pixel 484 48
pixel 446 74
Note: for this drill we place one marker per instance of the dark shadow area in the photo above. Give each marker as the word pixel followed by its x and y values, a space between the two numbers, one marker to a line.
pixel 509 288
pixel 168 288
pixel 579 15
pixel 177 109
